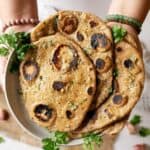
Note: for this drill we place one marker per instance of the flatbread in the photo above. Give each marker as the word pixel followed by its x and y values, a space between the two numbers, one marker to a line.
pixel 93 36
pixel 58 83
pixel 128 87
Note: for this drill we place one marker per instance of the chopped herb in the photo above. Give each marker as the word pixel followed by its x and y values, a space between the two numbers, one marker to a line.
pixel 90 140
pixel 2 140
pixel 144 132
pixel 136 119
pixel 72 106
pixel 18 42
pixel 54 141
pixel 110 90
pixel 115 72
pixel 118 33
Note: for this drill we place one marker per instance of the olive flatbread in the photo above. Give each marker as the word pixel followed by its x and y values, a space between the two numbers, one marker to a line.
pixel 92 35
pixel 128 87
pixel 58 82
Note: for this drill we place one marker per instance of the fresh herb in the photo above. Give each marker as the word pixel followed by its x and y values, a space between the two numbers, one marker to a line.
pixel 144 132
pixel 118 33
pixel 136 119
pixel 2 140
pixel 72 106
pixel 110 90
pixel 54 141
pixel 90 140
pixel 18 42
pixel 115 72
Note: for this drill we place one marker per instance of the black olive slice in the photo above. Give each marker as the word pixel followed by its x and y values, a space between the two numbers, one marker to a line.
pixel 71 63
pixel 58 85
pixel 128 63
pixel 90 91
pixel 69 114
pixel 100 63
pixel 70 24
pixel 30 70
pixel 99 40
pixel 80 37
pixel 43 112
pixel 119 100
pixel 93 24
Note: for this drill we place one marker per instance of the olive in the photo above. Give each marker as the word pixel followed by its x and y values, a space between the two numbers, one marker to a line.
pixel 100 63
pixel 128 63
pixel 99 40
pixel 90 91
pixel 58 85
pixel 43 112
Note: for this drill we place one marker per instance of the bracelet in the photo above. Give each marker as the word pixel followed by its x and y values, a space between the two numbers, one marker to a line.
pixel 136 24
pixel 21 21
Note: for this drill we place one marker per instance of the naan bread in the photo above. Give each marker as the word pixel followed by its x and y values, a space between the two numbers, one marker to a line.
pixel 127 90
pixel 92 35
pixel 58 83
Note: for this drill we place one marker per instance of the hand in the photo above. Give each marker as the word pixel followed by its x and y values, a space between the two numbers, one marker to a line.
pixel 3 60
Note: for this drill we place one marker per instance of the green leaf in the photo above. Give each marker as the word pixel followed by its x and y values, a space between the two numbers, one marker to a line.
pixel 115 72
pixel 144 132
pixel 53 142
pixel 118 33
pixel 2 140
pixel 4 51
pixel 90 140
pixel 136 119
pixel 19 42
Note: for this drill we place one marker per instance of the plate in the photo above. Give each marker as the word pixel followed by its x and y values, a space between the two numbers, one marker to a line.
pixel 17 108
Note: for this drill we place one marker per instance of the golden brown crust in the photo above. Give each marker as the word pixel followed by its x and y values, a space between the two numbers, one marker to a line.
pixel 64 87
pixel 95 39
pixel 129 64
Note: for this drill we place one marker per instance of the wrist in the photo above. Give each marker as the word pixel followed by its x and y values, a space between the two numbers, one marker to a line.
pixel 137 10
pixel 20 28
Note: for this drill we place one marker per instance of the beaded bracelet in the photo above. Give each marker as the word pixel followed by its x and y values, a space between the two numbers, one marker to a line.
pixel 21 21
pixel 136 24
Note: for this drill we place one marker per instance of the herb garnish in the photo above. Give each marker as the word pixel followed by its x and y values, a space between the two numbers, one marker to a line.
pixel 90 140
pixel 118 33
pixel 19 42
pixel 2 140
pixel 136 119
pixel 144 132
pixel 54 141
pixel 115 72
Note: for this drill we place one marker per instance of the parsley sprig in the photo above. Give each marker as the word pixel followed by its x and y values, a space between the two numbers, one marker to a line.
pixel 18 42
pixel 118 33
pixel 136 119
pixel 2 140
pixel 144 132
pixel 54 141
pixel 90 140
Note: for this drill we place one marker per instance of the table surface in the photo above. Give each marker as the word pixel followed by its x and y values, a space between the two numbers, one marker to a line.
pixel 99 7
